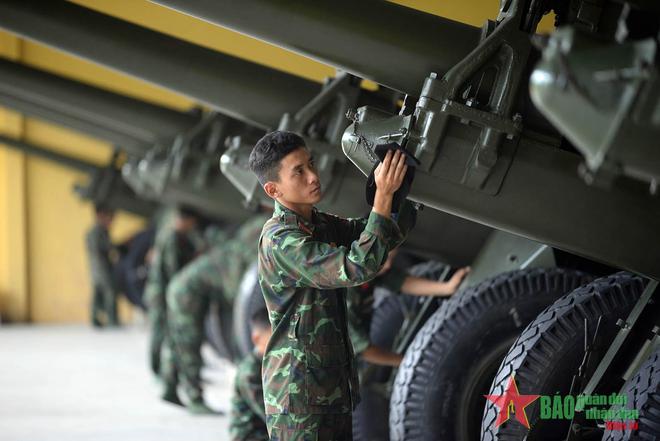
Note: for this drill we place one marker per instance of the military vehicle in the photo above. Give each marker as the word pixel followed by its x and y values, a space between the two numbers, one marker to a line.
pixel 568 201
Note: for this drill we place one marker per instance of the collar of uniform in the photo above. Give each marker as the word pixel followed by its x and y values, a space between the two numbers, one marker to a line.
pixel 289 216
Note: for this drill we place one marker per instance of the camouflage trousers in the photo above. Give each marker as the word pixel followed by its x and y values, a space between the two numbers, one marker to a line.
pixel 157 315
pixel 182 357
pixel 104 306
pixel 169 364
pixel 310 427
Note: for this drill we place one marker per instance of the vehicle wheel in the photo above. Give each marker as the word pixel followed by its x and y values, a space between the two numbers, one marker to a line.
pixel 218 327
pixel 643 393
pixel 370 416
pixel 546 356
pixel 248 301
pixel 131 270
pixel 438 392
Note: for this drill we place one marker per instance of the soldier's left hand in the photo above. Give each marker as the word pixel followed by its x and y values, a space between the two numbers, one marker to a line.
pixel 457 278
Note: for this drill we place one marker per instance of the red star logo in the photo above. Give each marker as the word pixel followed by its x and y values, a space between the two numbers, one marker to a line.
pixel 512 400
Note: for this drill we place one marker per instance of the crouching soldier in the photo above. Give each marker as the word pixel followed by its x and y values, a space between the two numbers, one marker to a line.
pixel 172 251
pixel 360 301
pixel 247 419
pixel 215 276
pixel 306 257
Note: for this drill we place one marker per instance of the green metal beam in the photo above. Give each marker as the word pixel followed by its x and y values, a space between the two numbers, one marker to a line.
pixel 33 150
pixel 543 198
pixel 246 91
pixel 105 183
pixel 132 124
pixel 390 44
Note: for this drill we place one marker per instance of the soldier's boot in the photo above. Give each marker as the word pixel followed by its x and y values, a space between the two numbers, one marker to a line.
pixel 156 338
pixel 111 309
pixel 97 307
pixel 171 395
pixel 199 407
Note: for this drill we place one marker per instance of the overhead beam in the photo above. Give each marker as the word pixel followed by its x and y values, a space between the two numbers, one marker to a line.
pixel 129 123
pixel 33 150
pixel 116 195
pixel 374 39
pixel 246 91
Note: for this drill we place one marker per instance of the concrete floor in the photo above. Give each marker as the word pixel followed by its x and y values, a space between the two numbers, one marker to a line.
pixel 75 383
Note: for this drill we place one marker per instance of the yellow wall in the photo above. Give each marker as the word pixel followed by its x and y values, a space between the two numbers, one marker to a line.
pixel 43 267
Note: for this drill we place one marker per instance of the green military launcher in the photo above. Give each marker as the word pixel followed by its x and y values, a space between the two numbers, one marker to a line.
pixel 485 152
pixel 154 138
pixel 105 183
pixel 570 161
pixel 237 89
pixel 566 171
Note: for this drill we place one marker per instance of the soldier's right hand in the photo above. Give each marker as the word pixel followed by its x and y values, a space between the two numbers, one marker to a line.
pixel 390 173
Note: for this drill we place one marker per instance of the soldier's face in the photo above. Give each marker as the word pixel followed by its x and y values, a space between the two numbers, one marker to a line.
pixel 298 182
pixel 105 219
pixel 260 339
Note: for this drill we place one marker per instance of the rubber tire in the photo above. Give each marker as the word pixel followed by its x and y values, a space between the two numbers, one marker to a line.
pixel 643 392
pixel 218 327
pixel 249 300
pixel 370 416
pixel 547 354
pixel 131 270
pixel 438 392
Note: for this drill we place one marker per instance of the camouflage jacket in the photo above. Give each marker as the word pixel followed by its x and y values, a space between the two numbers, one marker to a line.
pixel 247 419
pixel 360 301
pixel 172 252
pixel 219 271
pixel 99 249
pixel 308 367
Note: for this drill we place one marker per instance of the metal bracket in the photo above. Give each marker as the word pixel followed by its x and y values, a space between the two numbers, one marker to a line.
pixel 616 345
pixel 338 95
pixel 467 114
pixel 463 128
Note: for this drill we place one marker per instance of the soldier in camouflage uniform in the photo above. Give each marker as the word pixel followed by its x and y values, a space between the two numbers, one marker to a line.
pixel 306 257
pixel 104 286
pixel 247 419
pixel 360 301
pixel 214 276
pixel 174 248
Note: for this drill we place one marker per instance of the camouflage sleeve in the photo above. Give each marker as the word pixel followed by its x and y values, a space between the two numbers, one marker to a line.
pixel 406 220
pixel 315 264
pixel 358 328
pixel 393 280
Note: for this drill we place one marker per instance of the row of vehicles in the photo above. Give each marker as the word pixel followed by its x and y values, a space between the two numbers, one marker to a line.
pixel 539 168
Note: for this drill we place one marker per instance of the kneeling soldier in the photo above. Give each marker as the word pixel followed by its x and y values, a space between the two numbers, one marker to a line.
pixel 360 301
pixel 247 420
pixel 215 276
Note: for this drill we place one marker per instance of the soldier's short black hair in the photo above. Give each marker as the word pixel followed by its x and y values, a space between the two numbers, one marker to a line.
pixel 102 208
pixel 259 320
pixel 269 151
pixel 188 212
